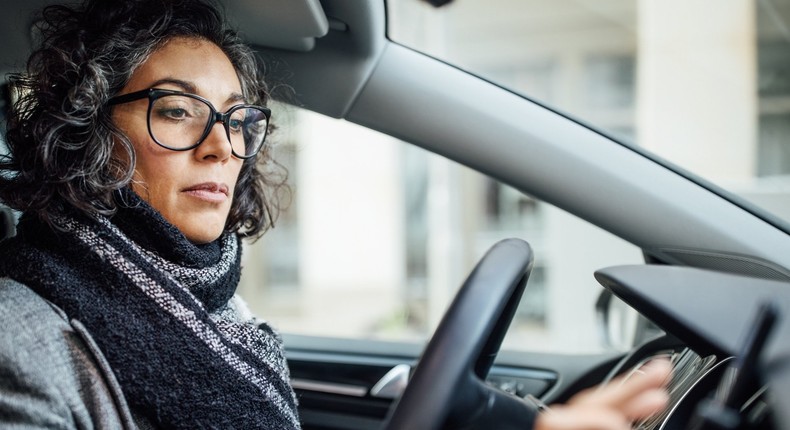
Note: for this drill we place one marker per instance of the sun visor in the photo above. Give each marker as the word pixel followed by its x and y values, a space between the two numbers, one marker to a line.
pixel 284 24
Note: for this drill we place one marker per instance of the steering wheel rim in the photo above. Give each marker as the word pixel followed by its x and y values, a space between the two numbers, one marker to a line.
pixel 447 387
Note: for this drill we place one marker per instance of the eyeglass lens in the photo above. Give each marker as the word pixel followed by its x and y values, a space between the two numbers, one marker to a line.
pixel 179 122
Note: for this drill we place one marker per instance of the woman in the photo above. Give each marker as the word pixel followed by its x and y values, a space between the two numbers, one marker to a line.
pixel 137 159
pixel 133 202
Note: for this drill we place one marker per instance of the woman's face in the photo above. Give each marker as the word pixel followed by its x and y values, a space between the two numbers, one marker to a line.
pixel 192 189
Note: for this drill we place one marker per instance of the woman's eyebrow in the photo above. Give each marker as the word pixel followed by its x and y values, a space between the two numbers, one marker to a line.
pixel 189 87
pixel 235 98
pixel 184 85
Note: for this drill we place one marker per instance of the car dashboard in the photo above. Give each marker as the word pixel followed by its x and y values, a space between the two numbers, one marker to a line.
pixel 729 360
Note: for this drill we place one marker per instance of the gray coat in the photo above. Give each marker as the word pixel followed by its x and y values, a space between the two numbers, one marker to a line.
pixel 52 374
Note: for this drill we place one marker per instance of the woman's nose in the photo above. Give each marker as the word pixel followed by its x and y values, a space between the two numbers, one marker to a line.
pixel 216 145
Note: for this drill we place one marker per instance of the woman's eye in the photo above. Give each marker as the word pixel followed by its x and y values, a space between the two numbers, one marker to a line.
pixel 173 113
pixel 235 124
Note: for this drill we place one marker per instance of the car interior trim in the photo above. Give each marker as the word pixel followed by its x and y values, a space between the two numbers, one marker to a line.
pixel 329 387
pixel 391 385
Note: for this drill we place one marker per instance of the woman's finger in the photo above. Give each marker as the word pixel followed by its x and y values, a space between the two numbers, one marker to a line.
pixel 621 390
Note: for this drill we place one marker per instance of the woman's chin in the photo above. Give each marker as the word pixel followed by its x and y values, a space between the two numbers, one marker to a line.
pixel 200 233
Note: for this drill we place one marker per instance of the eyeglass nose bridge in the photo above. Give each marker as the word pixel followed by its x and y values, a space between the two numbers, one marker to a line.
pixel 214 118
pixel 224 118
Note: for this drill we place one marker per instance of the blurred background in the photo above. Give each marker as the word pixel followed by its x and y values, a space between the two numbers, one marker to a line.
pixel 379 235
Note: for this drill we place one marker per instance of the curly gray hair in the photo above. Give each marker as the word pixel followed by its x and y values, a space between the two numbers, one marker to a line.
pixel 63 149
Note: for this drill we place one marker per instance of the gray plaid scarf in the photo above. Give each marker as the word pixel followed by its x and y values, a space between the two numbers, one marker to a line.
pixel 163 310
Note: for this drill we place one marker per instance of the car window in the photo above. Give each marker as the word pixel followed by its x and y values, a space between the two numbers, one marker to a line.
pixel 380 234
pixel 703 85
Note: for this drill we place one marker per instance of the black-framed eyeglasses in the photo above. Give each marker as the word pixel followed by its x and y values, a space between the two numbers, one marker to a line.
pixel 181 121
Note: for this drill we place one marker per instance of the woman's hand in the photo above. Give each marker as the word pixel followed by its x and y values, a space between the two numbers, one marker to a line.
pixel 613 406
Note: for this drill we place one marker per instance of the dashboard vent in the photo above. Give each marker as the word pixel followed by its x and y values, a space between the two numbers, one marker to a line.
pixel 688 368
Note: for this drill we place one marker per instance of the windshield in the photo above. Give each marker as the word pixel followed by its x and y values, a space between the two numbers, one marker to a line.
pixel 703 84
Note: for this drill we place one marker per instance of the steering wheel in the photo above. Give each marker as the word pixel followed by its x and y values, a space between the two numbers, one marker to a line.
pixel 447 388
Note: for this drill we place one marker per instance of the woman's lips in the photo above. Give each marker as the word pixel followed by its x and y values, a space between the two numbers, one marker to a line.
pixel 208 191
